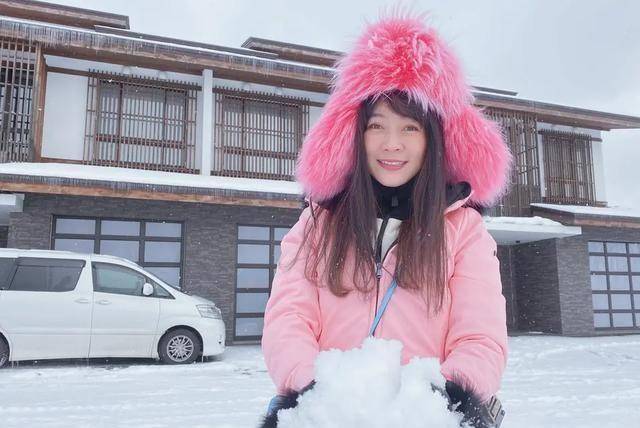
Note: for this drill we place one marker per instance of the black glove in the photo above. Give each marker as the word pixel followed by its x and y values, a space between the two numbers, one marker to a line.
pixel 287 401
pixel 474 411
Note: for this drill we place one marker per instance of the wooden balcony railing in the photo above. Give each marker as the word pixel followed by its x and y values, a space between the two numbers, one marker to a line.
pixel 140 123
pixel 519 130
pixel 568 166
pixel 257 135
pixel 17 70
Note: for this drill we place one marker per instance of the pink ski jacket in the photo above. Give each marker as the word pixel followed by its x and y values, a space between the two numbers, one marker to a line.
pixel 468 335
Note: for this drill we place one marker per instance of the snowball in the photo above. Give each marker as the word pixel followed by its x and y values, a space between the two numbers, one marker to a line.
pixel 369 387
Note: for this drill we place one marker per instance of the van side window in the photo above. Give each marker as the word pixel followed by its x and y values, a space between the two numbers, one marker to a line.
pixel 6 268
pixel 110 278
pixel 159 291
pixel 44 274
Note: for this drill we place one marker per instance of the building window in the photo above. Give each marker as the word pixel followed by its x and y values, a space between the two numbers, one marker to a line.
pixel 615 284
pixel 257 135
pixel 520 132
pixel 568 167
pixel 140 123
pixel 17 70
pixel 258 252
pixel 154 245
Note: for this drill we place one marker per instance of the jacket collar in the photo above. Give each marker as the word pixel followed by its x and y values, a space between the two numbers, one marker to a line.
pixel 457 195
pixel 395 202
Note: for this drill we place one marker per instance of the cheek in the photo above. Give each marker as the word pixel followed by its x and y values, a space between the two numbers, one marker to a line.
pixel 370 150
pixel 420 151
pixel 423 153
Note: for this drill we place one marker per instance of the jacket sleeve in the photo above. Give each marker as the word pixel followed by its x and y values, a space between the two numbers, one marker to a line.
pixel 475 351
pixel 292 317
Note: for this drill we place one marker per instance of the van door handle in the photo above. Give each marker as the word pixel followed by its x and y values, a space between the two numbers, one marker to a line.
pixel 82 300
pixel 103 302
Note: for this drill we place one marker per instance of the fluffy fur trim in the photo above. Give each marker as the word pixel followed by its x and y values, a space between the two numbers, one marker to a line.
pixel 402 53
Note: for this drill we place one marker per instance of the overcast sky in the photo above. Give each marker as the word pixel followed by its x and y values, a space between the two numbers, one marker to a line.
pixel 576 53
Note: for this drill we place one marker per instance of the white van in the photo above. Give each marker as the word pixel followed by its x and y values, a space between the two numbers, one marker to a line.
pixel 59 304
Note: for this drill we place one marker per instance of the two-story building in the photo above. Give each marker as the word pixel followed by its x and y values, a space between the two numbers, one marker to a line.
pixel 180 156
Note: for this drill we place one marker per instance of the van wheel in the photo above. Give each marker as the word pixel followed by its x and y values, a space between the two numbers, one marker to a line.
pixel 179 346
pixel 4 352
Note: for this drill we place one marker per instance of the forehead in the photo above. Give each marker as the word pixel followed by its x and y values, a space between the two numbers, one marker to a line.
pixel 382 109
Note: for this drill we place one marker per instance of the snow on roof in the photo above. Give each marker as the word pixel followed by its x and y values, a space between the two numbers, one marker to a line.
pixel 518 230
pixel 529 221
pixel 196 49
pixel 614 211
pixel 126 175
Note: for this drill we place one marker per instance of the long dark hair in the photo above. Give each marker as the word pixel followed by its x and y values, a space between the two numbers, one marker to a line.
pixel 345 226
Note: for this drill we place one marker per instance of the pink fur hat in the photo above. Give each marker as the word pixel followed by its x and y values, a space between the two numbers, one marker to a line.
pixel 402 53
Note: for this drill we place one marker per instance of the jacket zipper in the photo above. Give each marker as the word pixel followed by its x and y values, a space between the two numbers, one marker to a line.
pixel 380 260
pixel 378 255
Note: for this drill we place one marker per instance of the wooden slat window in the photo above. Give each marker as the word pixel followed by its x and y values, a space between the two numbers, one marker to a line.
pixel 257 135
pixel 141 123
pixel 519 130
pixel 568 166
pixel 18 61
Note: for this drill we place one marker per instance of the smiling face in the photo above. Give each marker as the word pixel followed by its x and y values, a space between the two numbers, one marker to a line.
pixel 395 145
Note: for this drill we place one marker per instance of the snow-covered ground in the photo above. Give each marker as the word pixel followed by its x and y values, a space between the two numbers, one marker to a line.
pixel 550 382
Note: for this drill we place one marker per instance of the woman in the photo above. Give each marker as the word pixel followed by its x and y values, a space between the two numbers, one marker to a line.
pixel 390 244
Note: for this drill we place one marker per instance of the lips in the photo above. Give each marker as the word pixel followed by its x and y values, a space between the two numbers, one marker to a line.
pixel 391 165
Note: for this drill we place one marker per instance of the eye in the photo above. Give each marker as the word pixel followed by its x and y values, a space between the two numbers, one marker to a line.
pixel 412 128
pixel 374 125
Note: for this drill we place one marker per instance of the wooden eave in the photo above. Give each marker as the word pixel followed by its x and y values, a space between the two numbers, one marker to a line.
pixel 294 52
pixel 94 46
pixel 578 219
pixel 558 114
pixel 156 38
pixel 111 189
pixel 61 14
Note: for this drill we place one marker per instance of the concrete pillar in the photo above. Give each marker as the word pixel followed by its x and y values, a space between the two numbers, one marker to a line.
pixel 207 122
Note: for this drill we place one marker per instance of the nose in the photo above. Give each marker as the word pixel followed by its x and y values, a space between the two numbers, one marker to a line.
pixel 392 143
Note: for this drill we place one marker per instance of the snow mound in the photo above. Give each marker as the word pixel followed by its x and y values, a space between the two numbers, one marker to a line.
pixel 369 387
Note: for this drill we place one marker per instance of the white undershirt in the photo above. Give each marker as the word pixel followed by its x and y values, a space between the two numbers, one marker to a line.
pixel 390 233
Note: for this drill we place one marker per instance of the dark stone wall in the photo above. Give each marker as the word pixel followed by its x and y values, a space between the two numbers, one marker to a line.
pixel 536 277
pixel 505 255
pixel 4 234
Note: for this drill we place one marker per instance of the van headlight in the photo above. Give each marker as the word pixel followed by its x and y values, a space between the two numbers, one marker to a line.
pixel 209 311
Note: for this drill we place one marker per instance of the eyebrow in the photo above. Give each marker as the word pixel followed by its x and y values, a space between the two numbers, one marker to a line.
pixel 383 116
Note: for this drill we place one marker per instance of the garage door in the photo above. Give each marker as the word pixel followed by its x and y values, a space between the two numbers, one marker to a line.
pixel 615 284
pixel 258 251
pixel 154 245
